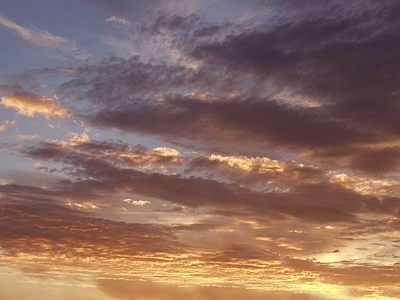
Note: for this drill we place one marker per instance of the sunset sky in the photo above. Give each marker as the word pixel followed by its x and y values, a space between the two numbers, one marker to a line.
pixel 199 149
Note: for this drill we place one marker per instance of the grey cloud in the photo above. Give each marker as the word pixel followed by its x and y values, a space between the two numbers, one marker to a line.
pixel 346 62
pixel 120 81
pixel 345 59
pixel 255 124
pixel 322 202
pixel 116 152
pixel 377 160
pixel 255 121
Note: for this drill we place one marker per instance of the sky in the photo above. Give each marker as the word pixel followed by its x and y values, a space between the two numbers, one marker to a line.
pixel 199 149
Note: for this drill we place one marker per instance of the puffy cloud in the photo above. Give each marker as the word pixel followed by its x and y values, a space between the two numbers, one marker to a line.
pixel 137 202
pixel 77 139
pixel 30 105
pixel 140 202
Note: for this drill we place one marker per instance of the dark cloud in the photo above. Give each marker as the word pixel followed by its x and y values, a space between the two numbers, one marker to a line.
pixel 375 226
pixel 29 227
pixel 254 124
pixel 241 253
pixel 232 122
pixel 377 160
pixel 348 64
pixel 115 152
pixel 95 174
pixel 314 51
pixel 117 81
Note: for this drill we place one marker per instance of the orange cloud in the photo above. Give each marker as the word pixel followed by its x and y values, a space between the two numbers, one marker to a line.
pixel 132 290
pixel 30 105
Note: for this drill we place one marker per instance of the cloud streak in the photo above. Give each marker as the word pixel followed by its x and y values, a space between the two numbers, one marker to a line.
pixel 44 39
pixel 7 124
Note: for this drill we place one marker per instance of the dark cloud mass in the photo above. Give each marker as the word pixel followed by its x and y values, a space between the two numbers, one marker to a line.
pixel 96 172
pixel 64 231
pixel 346 63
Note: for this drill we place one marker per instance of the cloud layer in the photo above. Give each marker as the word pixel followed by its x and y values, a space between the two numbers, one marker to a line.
pixel 249 152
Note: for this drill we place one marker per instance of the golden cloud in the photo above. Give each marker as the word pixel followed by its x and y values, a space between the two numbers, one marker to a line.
pixel 30 105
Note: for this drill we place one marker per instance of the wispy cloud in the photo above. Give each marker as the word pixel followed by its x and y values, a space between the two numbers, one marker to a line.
pixel 6 124
pixel 46 40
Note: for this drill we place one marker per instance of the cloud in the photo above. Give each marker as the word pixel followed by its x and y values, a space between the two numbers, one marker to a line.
pixel 322 87
pixel 234 123
pixel 30 105
pixel 100 171
pixel 118 20
pixel 77 139
pixel 377 160
pixel 26 226
pixel 34 222
pixel 114 151
pixel 135 290
pixel 354 276
pixel 6 124
pixel 134 79
pixel 33 286
pixel 335 60
pixel 26 137
pixel 140 202
pixel 45 40
pixel 272 160
pixel 257 172
pixel 137 202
